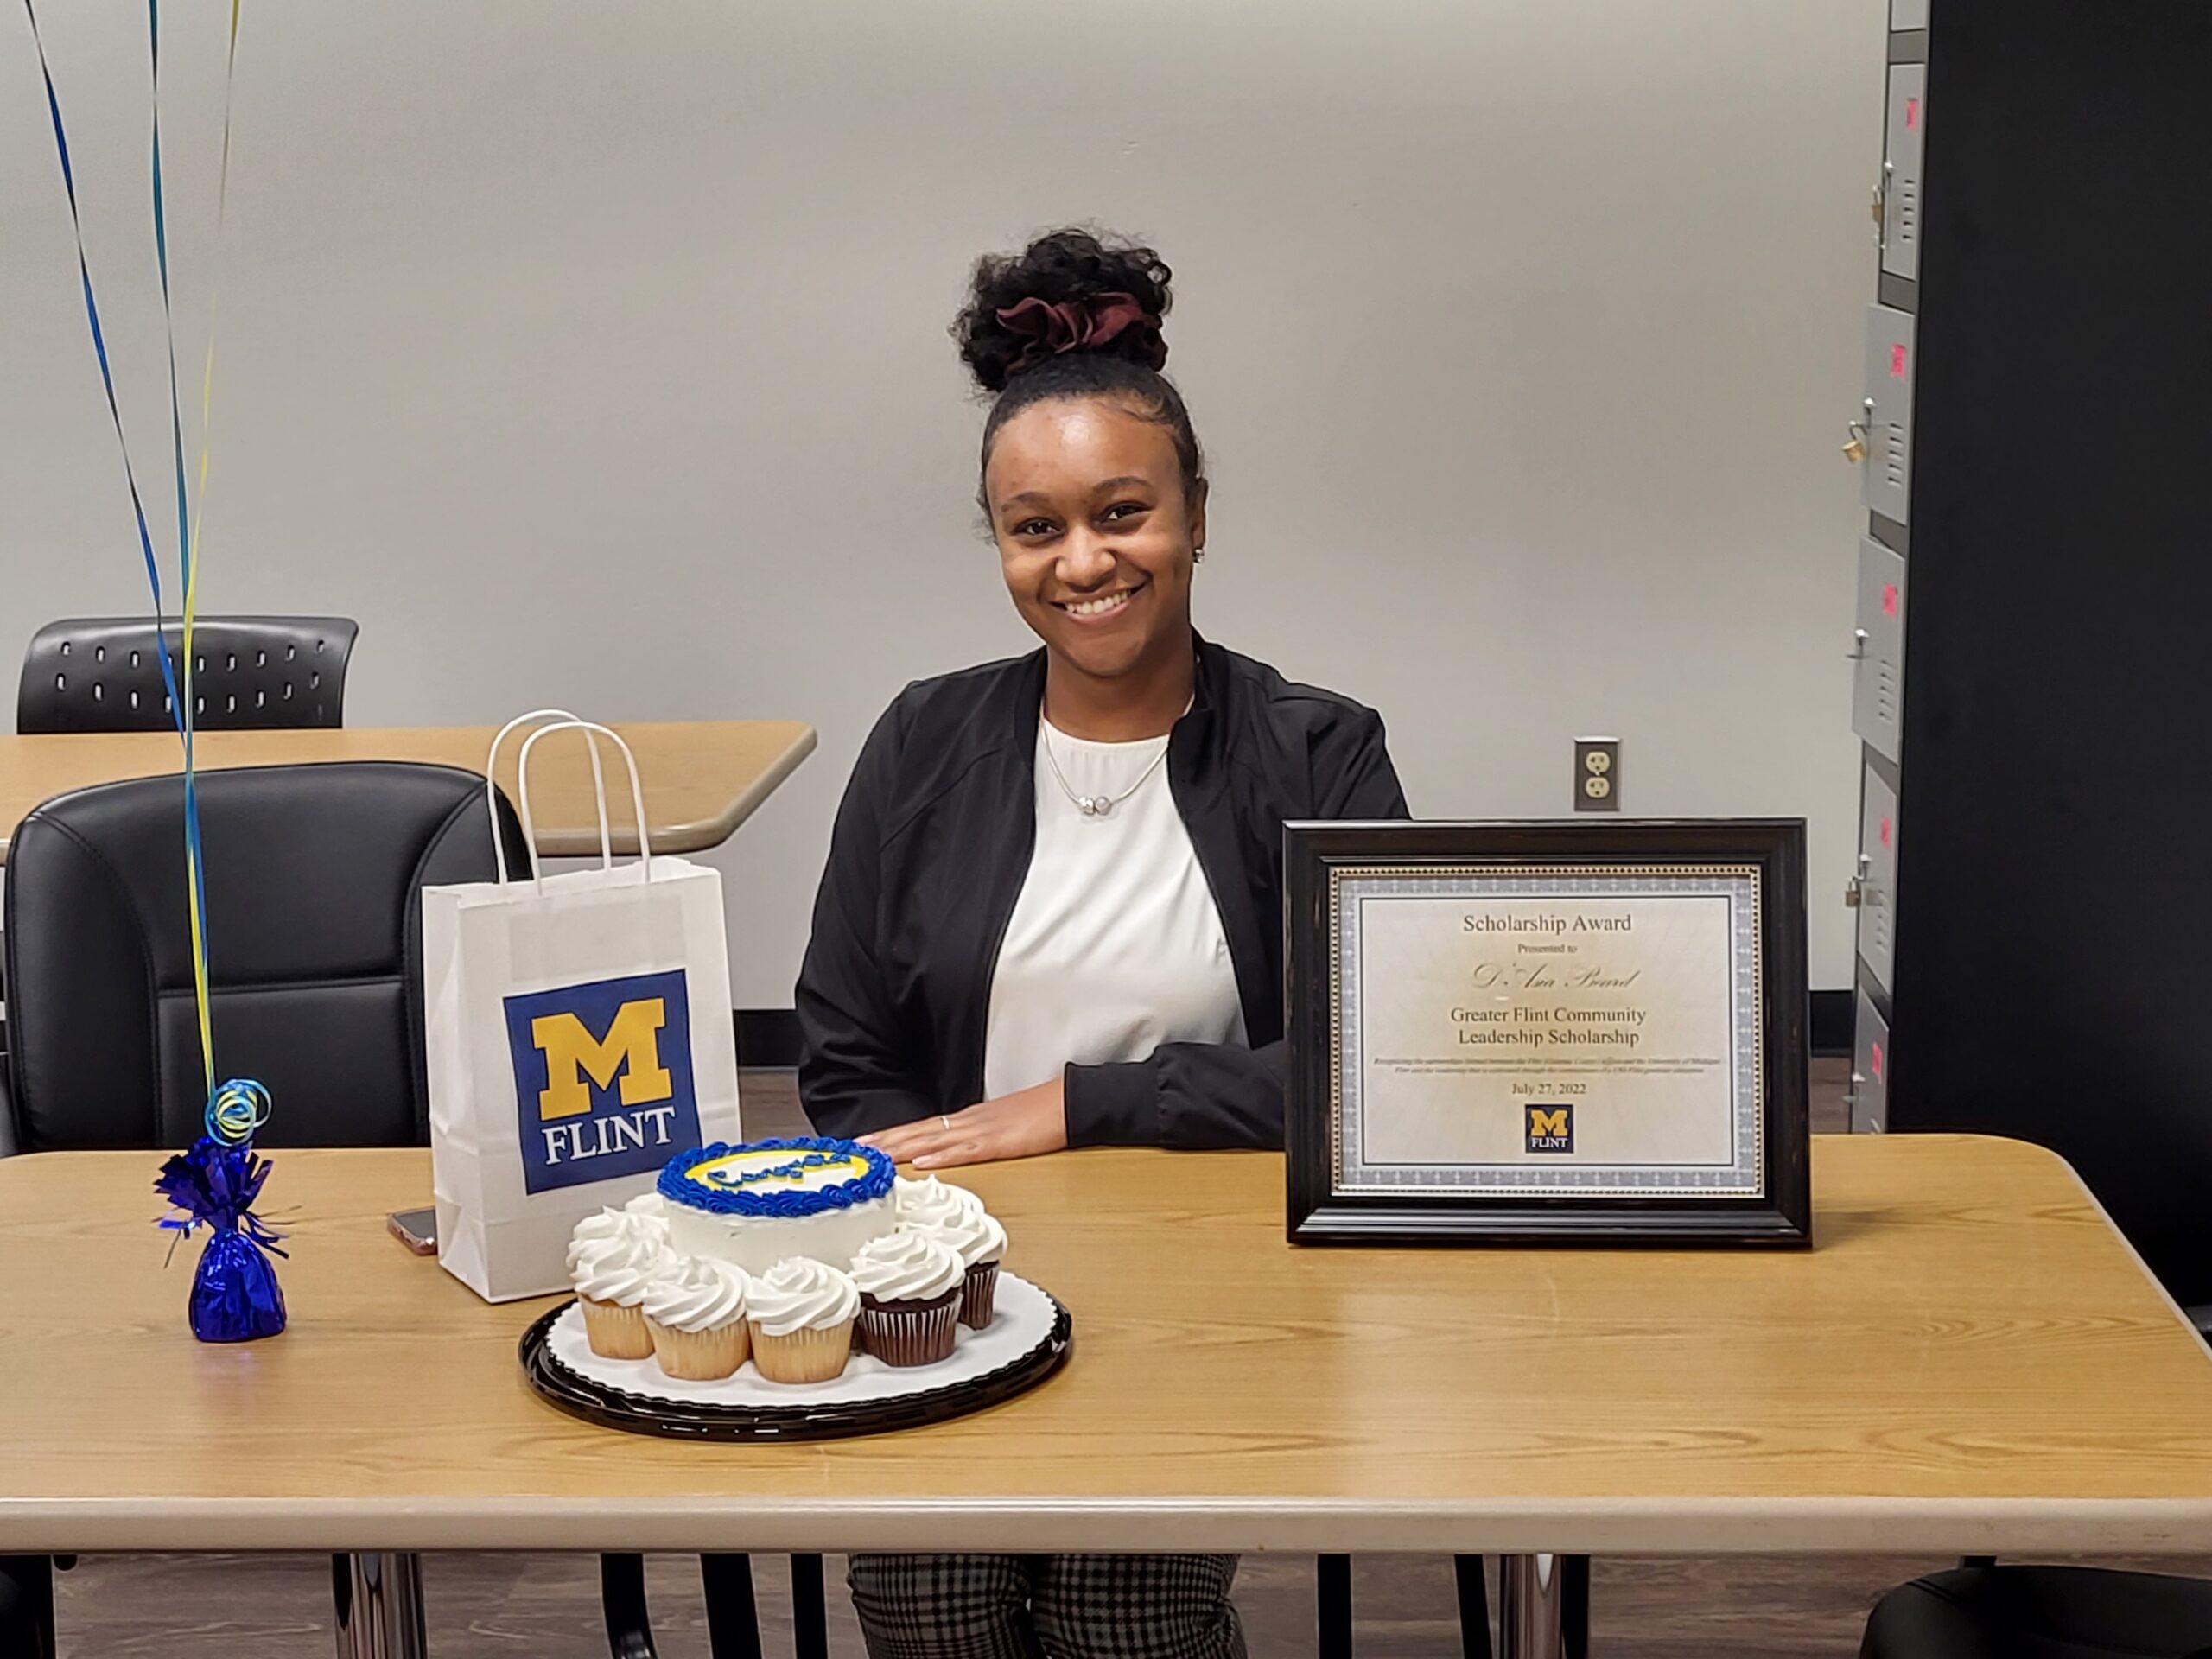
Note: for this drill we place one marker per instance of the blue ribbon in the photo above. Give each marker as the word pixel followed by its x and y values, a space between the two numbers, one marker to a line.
pixel 107 374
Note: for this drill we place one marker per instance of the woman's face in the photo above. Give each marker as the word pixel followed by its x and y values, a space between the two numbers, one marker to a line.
pixel 1095 536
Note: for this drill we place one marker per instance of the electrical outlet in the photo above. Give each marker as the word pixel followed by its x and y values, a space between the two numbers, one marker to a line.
pixel 1597 774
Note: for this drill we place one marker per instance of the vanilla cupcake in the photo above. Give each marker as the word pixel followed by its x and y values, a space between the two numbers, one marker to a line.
pixel 910 1283
pixel 694 1313
pixel 957 1216
pixel 612 1259
pixel 801 1313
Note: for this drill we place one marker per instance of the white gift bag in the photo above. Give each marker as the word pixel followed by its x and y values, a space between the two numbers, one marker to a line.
pixel 578 1036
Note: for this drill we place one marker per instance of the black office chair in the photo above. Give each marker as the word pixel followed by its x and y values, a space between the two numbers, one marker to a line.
pixel 101 674
pixel 314 876
pixel 1981 1611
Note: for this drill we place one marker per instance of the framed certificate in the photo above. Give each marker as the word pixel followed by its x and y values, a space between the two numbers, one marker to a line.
pixel 1546 1031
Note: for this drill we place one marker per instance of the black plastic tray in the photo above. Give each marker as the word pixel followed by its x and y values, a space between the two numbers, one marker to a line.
pixel 638 1414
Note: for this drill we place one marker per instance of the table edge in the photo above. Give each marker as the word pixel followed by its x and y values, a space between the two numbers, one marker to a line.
pixel 699 835
pixel 1654 1527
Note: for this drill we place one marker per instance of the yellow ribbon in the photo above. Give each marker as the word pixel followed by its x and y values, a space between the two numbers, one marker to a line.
pixel 192 552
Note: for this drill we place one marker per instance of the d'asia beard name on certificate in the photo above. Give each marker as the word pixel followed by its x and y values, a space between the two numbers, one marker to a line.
pixel 1551 1034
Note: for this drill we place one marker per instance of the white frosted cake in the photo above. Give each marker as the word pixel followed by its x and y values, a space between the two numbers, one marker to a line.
pixel 789 1254
pixel 758 1204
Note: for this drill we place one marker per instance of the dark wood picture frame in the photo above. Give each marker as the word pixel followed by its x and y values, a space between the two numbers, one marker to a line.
pixel 1320 1214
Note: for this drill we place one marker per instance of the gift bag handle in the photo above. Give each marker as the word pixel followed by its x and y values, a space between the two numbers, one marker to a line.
pixel 490 791
pixel 605 841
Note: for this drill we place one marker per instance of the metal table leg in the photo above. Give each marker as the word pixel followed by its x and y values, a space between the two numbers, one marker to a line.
pixel 733 1616
pixel 1332 1606
pixel 1474 1606
pixel 809 1609
pixel 379 1602
pixel 1543 1607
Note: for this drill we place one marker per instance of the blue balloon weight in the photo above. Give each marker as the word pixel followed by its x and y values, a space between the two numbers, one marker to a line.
pixel 235 1296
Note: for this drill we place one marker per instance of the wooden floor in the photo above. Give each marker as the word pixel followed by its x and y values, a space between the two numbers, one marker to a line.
pixel 480 1606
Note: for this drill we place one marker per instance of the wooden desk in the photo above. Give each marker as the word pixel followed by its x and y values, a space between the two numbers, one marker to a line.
pixel 702 779
pixel 1969 1361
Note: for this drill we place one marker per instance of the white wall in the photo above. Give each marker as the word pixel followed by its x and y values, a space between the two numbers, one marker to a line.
pixel 595 353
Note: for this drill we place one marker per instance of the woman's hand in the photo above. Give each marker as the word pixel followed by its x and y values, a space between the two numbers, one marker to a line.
pixel 1022 1125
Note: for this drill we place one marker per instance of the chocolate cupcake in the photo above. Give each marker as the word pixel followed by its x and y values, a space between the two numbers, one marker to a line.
pixel 955 1216
pixel 910 1283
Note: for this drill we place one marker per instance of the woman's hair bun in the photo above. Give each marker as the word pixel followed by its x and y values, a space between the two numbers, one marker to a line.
pixel 1093 294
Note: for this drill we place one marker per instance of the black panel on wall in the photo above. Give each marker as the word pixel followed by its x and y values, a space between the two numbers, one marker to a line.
pixel 2054 971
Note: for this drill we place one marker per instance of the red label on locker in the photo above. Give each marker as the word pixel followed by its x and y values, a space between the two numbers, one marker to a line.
pixel 1877 1061
pixel 1911 114
pixel 1885 832
pixel 1889 599
pixel 1897 362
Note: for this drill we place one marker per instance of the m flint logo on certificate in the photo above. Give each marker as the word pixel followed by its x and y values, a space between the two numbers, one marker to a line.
pixel 602 1078
pixel 1551 1128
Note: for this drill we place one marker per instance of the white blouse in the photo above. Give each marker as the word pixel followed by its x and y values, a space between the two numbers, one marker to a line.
pixel 1115 945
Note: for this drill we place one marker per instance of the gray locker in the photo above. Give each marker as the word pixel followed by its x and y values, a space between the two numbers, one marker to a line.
pixel 1885 416
pixel 1870 1070
pixel 1901 148
pixel 1877 885
pixel 1908 14
pixel 1877 649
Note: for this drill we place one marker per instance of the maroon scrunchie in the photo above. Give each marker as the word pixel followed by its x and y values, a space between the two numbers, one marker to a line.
pixel 1082 326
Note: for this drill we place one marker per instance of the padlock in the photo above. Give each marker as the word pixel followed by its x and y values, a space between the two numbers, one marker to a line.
pixel 1855 451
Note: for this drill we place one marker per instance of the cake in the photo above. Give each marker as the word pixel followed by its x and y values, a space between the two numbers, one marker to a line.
pixel 785 1254
pixel 758 1204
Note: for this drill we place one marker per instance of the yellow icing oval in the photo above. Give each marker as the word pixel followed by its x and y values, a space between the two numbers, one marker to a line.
pixel 741 1171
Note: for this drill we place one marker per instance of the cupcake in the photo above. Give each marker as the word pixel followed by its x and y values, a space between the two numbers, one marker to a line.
pixel 957 1216
pixel 694 1314
pixel 910 1284
pixel 801 1311
pixel 612 1258
pixel 929 1198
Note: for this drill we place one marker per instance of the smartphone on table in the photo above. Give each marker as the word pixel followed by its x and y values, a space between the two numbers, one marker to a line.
pixel 416 1228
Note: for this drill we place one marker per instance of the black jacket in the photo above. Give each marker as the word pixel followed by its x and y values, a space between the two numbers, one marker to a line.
pixel 931 845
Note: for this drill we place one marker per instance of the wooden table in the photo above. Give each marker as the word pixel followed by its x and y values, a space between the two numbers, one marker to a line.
pixel 703 779
pixel 1969 1361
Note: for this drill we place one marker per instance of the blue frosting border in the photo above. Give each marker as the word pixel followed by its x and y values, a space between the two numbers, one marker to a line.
pixel 677 1185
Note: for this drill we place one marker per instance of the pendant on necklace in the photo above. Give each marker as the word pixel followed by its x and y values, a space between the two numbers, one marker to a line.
pixel 1094 806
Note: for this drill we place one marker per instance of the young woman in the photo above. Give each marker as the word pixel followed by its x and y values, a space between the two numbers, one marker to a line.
pixel 1051 915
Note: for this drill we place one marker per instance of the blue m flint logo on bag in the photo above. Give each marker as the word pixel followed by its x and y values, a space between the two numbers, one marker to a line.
pixel 602 1078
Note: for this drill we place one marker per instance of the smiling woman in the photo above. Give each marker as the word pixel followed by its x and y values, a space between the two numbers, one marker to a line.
pixel 1053 912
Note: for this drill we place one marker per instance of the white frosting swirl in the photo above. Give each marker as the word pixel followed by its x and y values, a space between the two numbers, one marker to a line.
pixel 610 1224
pixel 975 1234
pixel 616 1269
pixel 931 1201
pixel 695 1292
pixel 647 1203
pixel 799 1294
pixel 910 1265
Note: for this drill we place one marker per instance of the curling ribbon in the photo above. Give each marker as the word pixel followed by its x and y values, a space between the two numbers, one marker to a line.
pixel 237 1110
pixel 99 350
pixel 182 699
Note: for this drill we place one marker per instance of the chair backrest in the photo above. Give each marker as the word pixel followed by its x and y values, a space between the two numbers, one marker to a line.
pixel 101 673
pixel 314 951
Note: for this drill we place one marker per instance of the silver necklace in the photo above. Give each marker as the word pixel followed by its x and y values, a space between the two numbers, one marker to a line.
pixel 1098 806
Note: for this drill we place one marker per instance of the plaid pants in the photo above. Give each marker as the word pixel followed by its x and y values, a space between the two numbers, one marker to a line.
pixel 1046 1606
